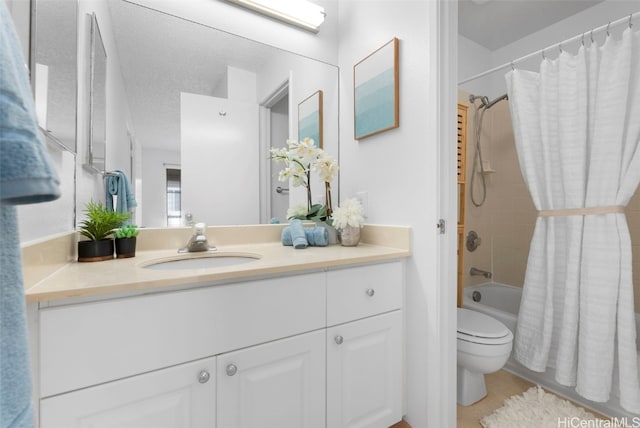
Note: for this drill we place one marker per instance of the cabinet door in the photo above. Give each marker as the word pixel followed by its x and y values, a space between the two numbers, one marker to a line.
pixel 181 396
pixel 275 385
pixel 364 372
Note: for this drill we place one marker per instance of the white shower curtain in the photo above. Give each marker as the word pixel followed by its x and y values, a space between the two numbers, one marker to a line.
pixel 577 132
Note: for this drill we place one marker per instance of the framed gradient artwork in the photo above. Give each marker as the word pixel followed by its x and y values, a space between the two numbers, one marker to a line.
pixel 376 87
pixel 310 118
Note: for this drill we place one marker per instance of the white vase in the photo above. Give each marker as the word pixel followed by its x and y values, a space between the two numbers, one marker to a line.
pixel 350 236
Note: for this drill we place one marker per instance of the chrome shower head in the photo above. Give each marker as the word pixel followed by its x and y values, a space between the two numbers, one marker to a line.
pixel 483 99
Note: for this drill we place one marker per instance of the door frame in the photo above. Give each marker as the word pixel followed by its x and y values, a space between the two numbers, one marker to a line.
pixel 280 91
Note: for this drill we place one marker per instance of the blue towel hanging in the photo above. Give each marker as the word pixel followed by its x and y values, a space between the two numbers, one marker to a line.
pixel 26 176
pixel 117 184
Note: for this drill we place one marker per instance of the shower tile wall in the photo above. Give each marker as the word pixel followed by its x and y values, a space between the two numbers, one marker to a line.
pixel 506 220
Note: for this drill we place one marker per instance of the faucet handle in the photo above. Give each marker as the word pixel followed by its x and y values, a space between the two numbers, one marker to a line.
pixel 199 228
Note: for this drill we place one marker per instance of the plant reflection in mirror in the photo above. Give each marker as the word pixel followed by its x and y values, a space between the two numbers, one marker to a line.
pixel 300 158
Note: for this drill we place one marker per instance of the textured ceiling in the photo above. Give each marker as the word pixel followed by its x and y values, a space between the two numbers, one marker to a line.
pixel 162 55
pixel 497 23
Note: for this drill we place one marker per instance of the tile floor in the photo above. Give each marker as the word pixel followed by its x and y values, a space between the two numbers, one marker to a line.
pixel 501 385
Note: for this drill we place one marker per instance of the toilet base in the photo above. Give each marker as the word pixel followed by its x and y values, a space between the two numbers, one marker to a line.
pixel 471 387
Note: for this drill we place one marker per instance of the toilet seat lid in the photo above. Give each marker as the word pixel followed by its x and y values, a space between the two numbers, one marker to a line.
pixel 472 323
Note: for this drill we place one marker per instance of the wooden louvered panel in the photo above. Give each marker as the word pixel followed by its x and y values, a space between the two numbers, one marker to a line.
pixel 462 142
pixel 462 168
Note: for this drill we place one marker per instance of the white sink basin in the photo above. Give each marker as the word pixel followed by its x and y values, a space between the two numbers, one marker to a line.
pixel 204 261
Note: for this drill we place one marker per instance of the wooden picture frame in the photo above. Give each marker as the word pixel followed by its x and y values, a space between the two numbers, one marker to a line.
pixel 376 92
pixel 310 118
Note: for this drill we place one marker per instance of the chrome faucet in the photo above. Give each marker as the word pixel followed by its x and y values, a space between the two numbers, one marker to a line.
pixel 476 271
pixel 198 240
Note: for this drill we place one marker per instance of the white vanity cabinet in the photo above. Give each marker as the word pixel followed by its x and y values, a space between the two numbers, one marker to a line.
pixel 320 349
pixel 182 396
pixel 364 372
pixel 278 384
pixel 365 357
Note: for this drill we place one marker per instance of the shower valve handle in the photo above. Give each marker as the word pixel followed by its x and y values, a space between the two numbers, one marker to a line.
pixel 473 241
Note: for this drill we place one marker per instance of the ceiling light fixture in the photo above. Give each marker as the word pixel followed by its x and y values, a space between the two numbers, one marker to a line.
pixel 301 13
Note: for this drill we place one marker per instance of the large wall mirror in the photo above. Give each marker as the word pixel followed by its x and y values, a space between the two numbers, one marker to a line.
pixel 97 138
pixel 203 102
pixel 54 68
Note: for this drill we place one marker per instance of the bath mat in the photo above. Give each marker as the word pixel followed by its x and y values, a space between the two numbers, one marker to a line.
pixel 536 408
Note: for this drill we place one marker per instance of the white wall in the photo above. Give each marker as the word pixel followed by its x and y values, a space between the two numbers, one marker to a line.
pixel 78 184
pixel 472 60
pixel 59 214
pixel 399 169
pixel 583 22
pixel 219 158
pixel 154 162
pixel 237 20
pixel 89 184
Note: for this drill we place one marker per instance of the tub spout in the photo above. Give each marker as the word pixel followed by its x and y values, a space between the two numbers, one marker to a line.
pixel 475 271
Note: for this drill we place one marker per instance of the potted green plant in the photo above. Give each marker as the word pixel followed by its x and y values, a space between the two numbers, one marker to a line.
pixel 126 241
pixel 98 227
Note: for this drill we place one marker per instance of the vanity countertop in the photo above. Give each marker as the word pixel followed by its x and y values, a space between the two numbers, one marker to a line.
pixel 72 279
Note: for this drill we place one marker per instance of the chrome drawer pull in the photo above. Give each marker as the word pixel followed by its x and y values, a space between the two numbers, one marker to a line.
pixel 204 376
pixel 370 292
pixel 339 339
pixel 231 370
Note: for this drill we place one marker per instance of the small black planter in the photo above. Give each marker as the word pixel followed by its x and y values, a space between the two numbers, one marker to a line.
pixel 95 251
pixel 125 247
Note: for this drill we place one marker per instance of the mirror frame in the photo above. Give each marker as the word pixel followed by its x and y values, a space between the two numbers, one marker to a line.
pixel 97 130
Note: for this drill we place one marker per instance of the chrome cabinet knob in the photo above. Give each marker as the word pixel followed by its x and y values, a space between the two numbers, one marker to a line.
pixel 204 376
pixel 339 339
pixel 232 369
pixel 370 292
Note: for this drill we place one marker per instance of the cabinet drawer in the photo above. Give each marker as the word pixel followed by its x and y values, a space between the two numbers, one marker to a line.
pixel 363 291
pixel 91 343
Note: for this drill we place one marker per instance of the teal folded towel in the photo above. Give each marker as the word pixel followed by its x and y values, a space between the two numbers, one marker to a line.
pixel 316 236
pixel 118 184
pixel 26 176
pixel 298 236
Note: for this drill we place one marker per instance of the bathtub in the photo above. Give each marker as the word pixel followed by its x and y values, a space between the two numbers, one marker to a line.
pixel 502 302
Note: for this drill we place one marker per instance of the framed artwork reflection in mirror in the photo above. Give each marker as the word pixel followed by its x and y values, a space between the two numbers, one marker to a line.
pixel 310 118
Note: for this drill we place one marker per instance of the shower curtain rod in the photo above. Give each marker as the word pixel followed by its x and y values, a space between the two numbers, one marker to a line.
pixel 626 19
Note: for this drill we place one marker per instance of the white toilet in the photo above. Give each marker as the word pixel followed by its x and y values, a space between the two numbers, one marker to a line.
pixel 484 346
